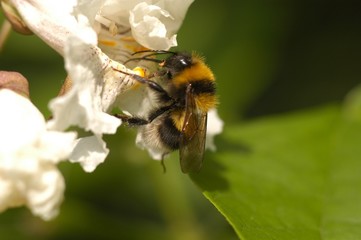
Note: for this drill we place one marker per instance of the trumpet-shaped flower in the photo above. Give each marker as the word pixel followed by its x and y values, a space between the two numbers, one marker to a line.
pixel 95 37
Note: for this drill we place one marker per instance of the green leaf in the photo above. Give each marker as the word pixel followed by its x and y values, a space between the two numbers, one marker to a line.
pixel 295 176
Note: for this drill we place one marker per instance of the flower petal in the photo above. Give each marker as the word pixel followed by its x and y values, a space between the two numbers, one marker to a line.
pixel 82 105
pixel 28 157
pixel 55 146
pixel 89 152
pixel 148 26
pixel 15 132
pixel 50 20
pixel 88 8
pixel 154 23
pixel 45 193
pixel 214 127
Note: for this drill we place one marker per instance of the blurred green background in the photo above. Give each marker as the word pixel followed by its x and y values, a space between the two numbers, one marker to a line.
pixel 269 57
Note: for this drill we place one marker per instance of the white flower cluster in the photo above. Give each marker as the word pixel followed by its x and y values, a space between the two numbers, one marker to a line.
pixel 94 37
pixel 29 153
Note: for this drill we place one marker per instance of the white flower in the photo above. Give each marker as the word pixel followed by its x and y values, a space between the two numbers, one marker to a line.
pixel 82 105
pixel 154 23
pixel 95 37
pixel 150 23
pixel 89 152
pixel 28 157
pixel 52 21
pixel 214 127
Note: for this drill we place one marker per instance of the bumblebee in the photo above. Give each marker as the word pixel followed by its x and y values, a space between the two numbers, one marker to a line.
pixel 185 90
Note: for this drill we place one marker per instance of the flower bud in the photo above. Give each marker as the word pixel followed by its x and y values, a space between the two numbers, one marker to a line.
pixel 15 82
pixel 15 20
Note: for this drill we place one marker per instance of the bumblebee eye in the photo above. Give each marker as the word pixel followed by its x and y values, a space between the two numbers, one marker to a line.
pixel 177 63
pixel 184 62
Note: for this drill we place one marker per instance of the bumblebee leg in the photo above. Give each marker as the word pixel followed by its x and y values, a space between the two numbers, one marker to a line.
pixel 154 86
pixel 160 111
pixel 136 121
pixel 163 165
pixel 151 84
pixel 132 121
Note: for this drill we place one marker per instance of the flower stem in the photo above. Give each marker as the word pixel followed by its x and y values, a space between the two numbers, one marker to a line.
pixel 4 33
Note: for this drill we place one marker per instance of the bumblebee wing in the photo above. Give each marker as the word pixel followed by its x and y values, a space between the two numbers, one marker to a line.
pixel 192 143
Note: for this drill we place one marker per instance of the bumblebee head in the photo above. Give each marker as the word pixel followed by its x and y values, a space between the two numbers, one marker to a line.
pixel 176 63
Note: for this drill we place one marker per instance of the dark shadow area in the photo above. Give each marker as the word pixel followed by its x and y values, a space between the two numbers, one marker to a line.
pixel 319 61
pixel 214 169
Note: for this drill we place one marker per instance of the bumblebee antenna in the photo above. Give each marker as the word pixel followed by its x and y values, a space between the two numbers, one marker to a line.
pixel 147 56
pixel 143 58
pixel 154 52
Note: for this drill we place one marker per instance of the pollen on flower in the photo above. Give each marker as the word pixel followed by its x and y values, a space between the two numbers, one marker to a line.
pixel 107 42
pixel 135 48
pixel 139 71
pixel 127 39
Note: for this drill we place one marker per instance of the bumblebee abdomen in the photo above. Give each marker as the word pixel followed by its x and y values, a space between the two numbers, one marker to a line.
pixel 169 134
